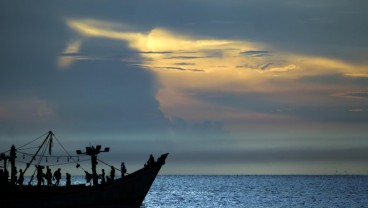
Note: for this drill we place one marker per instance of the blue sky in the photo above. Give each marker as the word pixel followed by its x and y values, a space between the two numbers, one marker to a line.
pixel 227 87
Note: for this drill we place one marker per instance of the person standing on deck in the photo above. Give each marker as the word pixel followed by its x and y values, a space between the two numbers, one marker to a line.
pixel 123 169
pixel 88 177
pixel 103 179
pixel 112 173
pixel 40 175
pixel 48 176
pixel 57 176
pixel 68 179
pixel 21 177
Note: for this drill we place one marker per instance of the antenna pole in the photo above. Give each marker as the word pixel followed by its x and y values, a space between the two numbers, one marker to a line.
pixel 93 152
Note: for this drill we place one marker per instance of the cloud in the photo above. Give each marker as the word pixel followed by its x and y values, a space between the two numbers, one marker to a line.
pixel 362 75
pixel 188 57
pixel 184 64
pixel 353 95
pixel 167 53
pixel 254 53
pixel 181 69
pixel 70 54
pixel 27 110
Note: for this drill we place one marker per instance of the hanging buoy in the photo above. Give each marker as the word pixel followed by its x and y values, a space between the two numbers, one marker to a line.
pixel 68 159
pixel 57 159
pixel 46 159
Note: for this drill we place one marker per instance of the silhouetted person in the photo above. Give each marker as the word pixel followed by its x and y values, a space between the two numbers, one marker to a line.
pixel 150 161
pixel 48 176
pixel 123 169
pixel 57 176
pixel 21 177
pixel 40 175
pixel 14 178
pixel 112 173
pixel 88 177
pixel 68 179
pixel 103 179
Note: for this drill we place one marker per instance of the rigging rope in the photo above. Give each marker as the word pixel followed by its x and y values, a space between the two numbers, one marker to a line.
pixel 33 140
pixel 48 146
pixel 52 156
pixel 108 164
pixel 78 165
pixel 29 143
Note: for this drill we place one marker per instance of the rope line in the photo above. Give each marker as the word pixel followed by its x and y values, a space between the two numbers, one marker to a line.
pixel 51 156
pixel 34 140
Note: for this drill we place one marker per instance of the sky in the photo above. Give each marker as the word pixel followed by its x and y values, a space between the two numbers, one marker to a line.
pixel 226 87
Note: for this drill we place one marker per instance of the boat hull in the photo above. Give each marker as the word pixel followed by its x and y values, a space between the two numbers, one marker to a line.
pixel 128 191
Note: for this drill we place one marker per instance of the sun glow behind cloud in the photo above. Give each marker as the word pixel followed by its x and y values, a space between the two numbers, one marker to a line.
pixel 187 66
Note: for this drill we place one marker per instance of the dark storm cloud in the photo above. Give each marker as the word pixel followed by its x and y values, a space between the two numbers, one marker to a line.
pixel 109 95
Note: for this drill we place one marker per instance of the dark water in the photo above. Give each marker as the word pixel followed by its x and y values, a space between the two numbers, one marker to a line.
pixel 258 191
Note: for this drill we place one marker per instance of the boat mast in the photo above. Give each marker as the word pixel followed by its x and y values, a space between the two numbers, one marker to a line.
pixel 93 152
pixel 13 169
pixel 49 136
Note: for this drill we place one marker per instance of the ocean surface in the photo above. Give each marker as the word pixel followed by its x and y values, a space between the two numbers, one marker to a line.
pixel 258 191
pixel 255 191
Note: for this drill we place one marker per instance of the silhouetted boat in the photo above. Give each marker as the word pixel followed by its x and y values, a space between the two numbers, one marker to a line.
pixel 127 191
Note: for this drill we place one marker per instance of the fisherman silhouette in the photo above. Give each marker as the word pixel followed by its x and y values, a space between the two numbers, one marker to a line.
pixel 48 176
pixel 112 173
pixel 150 161
pixel 123 169
pixel 88 177
pixel 68 179
pixel 40 175
pixel 13 178
pixel 21 177
pixel 102 176
pixel 57 176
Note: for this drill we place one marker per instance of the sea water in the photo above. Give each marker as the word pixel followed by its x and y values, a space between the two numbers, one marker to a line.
pixel 254 191
pixel 258 191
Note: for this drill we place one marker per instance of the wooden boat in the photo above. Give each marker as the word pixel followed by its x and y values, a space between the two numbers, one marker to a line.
pixel 127 191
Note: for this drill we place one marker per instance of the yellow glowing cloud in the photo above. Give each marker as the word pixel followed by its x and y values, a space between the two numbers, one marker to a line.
pixel 184 63
pixel 65 60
